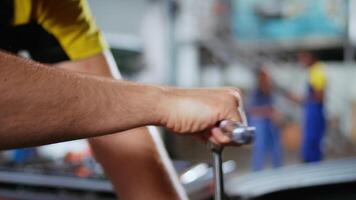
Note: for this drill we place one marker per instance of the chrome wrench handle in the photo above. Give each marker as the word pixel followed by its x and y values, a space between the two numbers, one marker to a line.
pixel 237 132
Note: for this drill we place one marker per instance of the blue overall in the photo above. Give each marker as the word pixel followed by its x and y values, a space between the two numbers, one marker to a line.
pixel 20 156
pixel 313 128
pixel 267 142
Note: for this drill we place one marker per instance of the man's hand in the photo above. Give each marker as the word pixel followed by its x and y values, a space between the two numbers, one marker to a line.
pixel 200 110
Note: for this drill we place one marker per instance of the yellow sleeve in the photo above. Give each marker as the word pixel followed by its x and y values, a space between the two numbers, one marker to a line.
pixel 317 77
pixel 22 12
pixel 70 21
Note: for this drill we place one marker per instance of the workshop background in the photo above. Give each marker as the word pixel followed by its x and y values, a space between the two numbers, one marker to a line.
pixel 212 43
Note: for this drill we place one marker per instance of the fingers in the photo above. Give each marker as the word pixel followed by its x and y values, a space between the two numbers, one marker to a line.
pixel 238 114
pixel 240 107
pixel 242 115
pixel 197 111
pixel 217 137
pixel 235 113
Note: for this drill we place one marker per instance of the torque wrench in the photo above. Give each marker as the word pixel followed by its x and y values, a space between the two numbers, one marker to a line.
pixel 240 134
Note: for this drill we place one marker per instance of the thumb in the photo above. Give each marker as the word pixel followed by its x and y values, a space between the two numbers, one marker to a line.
pixel 238 114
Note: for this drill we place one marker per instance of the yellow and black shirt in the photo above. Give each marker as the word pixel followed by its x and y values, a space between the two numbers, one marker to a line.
pixel 50 30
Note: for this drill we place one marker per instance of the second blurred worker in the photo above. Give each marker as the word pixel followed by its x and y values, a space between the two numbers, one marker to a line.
pixel 263 116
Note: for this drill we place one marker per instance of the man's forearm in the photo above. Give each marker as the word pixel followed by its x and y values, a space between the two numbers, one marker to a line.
pixel 39 105
pixel 66 105
pixel 135 161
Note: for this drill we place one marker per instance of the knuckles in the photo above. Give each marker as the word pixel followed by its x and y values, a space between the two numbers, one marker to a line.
pixel 232 96
pixel 212 105
pixel 233 90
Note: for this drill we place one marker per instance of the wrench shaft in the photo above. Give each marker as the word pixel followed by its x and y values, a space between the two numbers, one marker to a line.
pixel 240 134
pixel 218 174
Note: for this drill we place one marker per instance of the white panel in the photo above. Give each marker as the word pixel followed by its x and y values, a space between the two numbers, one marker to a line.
pixel 352 21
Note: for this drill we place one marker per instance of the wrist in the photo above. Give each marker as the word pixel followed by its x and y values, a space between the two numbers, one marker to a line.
pixel 163 103
pixel 154 105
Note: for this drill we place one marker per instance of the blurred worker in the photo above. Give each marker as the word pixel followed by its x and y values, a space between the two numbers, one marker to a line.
pixel 264 116
pixel 314 124
pixel 314 120
pixel 46 106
